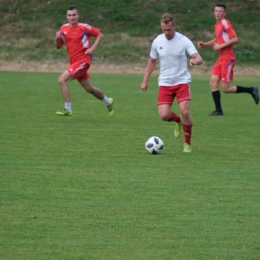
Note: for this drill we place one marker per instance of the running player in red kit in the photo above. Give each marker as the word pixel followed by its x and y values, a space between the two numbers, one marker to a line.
pixel 225 38
pixel 76 37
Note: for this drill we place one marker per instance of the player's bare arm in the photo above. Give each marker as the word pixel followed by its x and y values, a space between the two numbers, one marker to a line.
pixel 196 59
pixel 149 69
pixel 58 40
pixel 232 41
pixel 96 43
pixel 207 44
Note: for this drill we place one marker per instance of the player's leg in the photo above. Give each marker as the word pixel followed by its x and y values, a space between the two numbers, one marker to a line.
pixel 183 96
pixel 90 88
pixel 185 112
pixel 253 91
pixel 227 89
pixel 96 92
pixel 228 76
pixel 64 79
pixel 166 114
pixel 166 96
pixel 255 94
pixel 186 125
pixel 214 82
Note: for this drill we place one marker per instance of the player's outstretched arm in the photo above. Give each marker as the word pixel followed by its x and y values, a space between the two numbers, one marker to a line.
pixel 206 44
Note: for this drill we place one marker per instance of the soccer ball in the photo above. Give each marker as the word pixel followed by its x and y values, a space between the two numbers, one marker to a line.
pixel 154 145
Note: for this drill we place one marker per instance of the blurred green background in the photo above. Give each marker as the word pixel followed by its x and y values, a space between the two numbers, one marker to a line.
pixel 28 27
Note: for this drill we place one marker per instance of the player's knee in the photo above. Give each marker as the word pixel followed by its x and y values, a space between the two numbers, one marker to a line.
pixel 61 81
pixel 213 85
pixel 164 116
pixel 185 114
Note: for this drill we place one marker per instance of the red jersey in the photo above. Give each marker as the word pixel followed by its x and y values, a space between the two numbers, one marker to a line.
pixel 77 40
pixel 224 31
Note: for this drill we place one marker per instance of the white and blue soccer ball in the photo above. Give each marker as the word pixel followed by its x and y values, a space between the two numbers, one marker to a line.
pixel 154 145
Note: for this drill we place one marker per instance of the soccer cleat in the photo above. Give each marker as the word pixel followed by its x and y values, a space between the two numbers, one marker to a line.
pixel 110 107
pixel 65 112
pixel 255 94
pixel 187 148
pixel 177 130
pixel 216 113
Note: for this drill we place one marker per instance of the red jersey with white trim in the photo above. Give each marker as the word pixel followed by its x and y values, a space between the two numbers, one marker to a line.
pixel 224 31
pixel 77 40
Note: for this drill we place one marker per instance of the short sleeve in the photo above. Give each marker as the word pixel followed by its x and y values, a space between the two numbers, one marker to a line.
pixel 190 48
pixel 230 30
pixel 154 53
pixel 93 31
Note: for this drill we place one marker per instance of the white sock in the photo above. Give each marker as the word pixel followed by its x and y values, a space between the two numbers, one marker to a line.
pixel 106 100
pixel 67 106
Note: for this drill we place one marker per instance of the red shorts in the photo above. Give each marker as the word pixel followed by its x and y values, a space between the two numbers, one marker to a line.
pixel 166 94
pixel 223 68
pixel 79 70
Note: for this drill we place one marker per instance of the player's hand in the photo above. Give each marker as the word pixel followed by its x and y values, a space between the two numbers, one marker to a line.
pixel 201 44
pixel 144 86
pixel 58 34
pixel 216 46
pixel 89 51
pixel 193 62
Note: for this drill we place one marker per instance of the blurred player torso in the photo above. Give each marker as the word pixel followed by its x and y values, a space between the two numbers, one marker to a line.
pixel 77 40
pixel 224 32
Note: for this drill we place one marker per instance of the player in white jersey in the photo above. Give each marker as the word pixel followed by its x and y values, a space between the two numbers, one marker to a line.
pixel 171 49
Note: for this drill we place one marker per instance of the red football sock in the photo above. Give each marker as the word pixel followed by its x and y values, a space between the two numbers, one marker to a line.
pixel 187 133
pixel 174 118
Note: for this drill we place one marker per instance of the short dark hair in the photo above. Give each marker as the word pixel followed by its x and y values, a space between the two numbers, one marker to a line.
pixel 221 5
pixel 71 7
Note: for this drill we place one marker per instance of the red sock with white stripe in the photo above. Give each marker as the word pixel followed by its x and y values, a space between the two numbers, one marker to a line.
pixel 187 133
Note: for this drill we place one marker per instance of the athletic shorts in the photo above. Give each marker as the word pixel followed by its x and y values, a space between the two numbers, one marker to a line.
pixel 167 94
pixel 79 70
pixel 223 68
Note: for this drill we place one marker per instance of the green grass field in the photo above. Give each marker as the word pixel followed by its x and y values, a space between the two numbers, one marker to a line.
pixel 83 187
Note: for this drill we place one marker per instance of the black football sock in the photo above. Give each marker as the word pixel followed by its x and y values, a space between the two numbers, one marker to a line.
pixel 244 90
pixel 216 98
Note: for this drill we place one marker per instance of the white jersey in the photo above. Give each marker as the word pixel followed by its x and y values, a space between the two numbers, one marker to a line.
pixel 173 60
